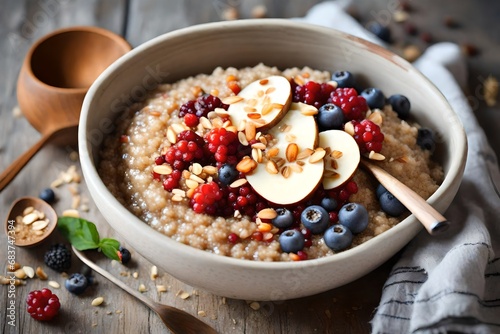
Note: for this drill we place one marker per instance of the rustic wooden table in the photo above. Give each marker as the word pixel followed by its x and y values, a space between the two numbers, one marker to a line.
pixel 347 309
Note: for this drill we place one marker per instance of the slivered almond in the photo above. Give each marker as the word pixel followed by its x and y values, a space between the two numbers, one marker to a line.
pixel 296 168
pixel 191 184
pixel 242 126
pixel 259 146
pixel 252 102
pixel 155 113
pixel 197 168
pixel 205 122
pixel 210 170
pixel 232 99
pixel 402 159
pixel 249 109
pixel 376 118
pixel 254 115
pixel 300 163
pixel 242 138
pixel 330 174
pixel 317 156
pixel 177 198
pixel 162 169
pixel 196 178
pixel 270 90
pixel 299 80
pixel 180 192
pixel 280 162
pixel 336 154
pixel 349 128
pixel 267 213
pixel 271 167
pixel 41 274
pixel 286 171
pixel 97 301
pixel 334 164
pixel 39 225
pixel 246 165
pixel 255 154
pixel 305 153
pixel 292 151
pixel 266 109
pixel 264 82
pixel 272 152
pixel 238 183
pixel 290 137
pixel 277 106
pixel 309 111
pixel 376 156
pixel 171 135
pixel 250 131
pixel 178 128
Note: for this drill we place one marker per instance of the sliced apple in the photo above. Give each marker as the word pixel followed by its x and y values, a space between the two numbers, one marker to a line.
pixel 287 174
pixel 263 102
pixel 342 157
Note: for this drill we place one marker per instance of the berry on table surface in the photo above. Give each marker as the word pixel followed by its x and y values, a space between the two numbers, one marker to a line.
pixel 47 195
pixel 425 139
pixel 353 105
pixel 315 218
pixel 337 237
pixel 284 219
pixel 374 98
pixel 58 257
pixel 42 304
pixel 330 117
pixel 381 31
pixel 291 241
pixel 391 205
pixel 343 79
pixel 400 104
pixel 354 216
pixel 76 283
pixel 368 136
pixel 124 255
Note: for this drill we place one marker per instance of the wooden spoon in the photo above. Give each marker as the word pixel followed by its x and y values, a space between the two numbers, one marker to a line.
pixel 175 319
pixel 54 78
pixel 432 220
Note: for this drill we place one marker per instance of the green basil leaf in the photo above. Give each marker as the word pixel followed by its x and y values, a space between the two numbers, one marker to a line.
pixel 109 247
pixel 81 233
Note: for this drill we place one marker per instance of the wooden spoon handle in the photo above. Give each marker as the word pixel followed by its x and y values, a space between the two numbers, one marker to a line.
pixel 10 173
pixel 432 220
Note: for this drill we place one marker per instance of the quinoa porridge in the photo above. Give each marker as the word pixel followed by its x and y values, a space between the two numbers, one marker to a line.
pixel 200 192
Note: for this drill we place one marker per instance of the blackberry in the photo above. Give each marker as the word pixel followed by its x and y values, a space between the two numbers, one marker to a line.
pixel 201 106
pixel 58 257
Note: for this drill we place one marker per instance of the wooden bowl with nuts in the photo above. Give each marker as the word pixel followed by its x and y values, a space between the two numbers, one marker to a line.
pixel 30 221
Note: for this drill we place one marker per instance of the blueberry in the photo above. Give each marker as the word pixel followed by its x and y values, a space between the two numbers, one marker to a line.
pixel 374 98
pixel 381 31
pixel 425 139
pixel 227 174
pixel 315 218
pixel 330 117
pixel 284 218
pixel 354 216
pixel 126 256
pixel 338 237
pixel 47 195
pixel 329 204
pixel 380 190
pixel 344 79
pixel 291 241
pixel 400 104
pixel 76 283
pixel 391 205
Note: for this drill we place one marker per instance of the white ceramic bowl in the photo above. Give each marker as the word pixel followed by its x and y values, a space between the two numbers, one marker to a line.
pixel 281 43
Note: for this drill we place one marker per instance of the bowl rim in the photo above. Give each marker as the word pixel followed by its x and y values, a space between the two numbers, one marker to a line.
pixel 91 175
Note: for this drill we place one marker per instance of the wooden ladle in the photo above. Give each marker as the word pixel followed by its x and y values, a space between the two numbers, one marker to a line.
pixel 54 78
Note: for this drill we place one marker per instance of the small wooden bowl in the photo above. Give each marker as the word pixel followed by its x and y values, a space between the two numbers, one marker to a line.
pixel 57 72
pixel 17 208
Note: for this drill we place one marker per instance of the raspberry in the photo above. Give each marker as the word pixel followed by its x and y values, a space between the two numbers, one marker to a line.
pixel 189 147
pixel 341 195
pixel 42 304
pixel 223 145
pixel 201 106
pixel 368 136
pixel 207 198
pixel 312 93
pixel 58 257
pixel 171 181
pixel 353 106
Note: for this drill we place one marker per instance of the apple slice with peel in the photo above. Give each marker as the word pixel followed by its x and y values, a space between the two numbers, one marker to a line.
pixel 342 158
pixel 263 102
pixel 288 172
